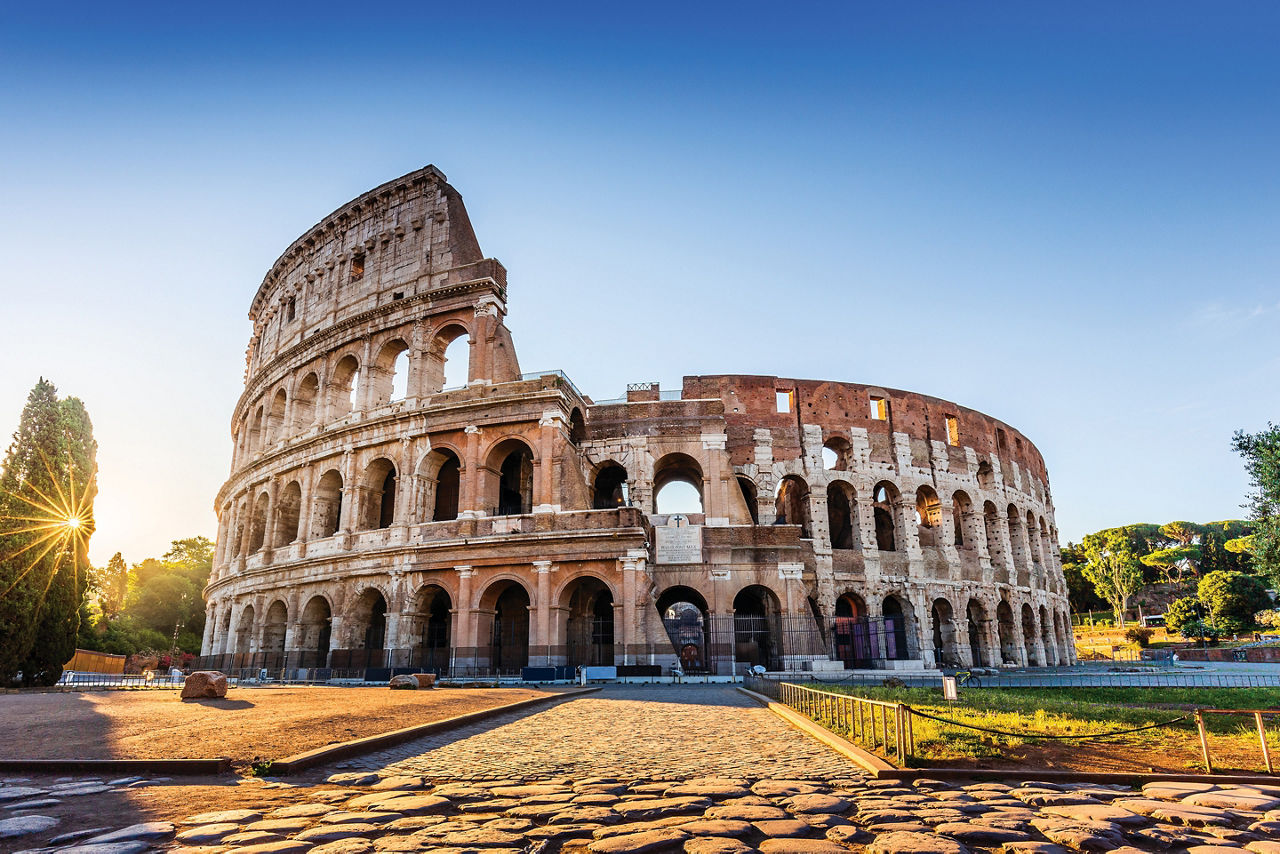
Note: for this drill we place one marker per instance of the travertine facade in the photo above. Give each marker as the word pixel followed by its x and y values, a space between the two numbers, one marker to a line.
pixel 375 518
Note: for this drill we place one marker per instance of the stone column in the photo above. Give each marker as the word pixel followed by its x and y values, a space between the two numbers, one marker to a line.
pixel 210 623
pixel 269 529
pixel 472 488
pixel 629 566
pixel 350 497
pixel 963 651
pixel 545 468
pixel 246 522
pixel 542 613
pixel 404 483
pixel 715 501
pixel 306 480
pixel 463 630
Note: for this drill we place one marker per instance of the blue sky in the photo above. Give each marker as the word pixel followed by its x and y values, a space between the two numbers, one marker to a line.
pixel 1063 215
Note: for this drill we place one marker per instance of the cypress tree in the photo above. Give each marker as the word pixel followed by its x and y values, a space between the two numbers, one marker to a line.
pixel 42 559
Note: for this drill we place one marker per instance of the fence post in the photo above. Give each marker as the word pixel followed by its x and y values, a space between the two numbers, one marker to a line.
pixel 1204 741
pixel 1262 738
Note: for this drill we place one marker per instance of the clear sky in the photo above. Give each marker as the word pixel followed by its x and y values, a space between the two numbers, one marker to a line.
pixel 1064 215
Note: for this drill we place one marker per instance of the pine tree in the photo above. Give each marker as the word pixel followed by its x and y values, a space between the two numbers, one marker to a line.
pixel 42 556
pixel 59 620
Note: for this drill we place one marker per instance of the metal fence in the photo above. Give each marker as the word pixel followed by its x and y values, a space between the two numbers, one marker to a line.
pixel 876 725
pixel 1056 679
pixel 123 681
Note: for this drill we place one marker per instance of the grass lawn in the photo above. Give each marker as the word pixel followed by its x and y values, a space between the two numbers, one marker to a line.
pixel 1090 712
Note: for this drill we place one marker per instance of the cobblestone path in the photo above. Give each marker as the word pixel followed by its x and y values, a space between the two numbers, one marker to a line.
pixel 660 732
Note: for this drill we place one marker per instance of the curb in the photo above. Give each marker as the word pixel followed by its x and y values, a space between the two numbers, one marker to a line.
pixel 181 767
pixel 355 747
pixel 1047 776
pixel 863 759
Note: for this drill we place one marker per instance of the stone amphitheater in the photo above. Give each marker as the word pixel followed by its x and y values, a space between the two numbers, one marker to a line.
pixel 387 508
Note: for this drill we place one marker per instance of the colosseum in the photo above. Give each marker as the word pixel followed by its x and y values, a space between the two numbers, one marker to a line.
pixel 387 509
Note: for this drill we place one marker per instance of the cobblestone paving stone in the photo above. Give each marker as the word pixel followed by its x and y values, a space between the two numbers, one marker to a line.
pixel 658 731
pixel 455 796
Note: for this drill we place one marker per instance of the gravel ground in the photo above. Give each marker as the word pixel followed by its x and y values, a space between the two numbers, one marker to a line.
pixel 265 723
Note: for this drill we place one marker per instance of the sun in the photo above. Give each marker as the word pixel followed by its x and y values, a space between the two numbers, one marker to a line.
pixel 61 524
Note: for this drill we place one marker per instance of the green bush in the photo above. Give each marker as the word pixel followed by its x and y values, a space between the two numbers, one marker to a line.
pixel 1140 635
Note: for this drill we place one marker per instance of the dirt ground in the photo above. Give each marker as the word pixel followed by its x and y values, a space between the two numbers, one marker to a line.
pixel 251 723
pixel 1230 756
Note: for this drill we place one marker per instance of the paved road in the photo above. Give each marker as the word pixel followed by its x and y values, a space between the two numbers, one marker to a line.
pixel 657 732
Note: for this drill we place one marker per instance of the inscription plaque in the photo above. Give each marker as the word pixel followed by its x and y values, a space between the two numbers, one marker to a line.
pixel 679 545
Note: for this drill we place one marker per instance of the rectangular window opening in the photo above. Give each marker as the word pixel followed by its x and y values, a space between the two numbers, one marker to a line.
pixel 784 401
pixel 879 409
pixel 953 431
pixel 290 310
pixel 357 268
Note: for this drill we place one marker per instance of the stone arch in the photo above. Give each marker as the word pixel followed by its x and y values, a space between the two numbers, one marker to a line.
pixel 1029 635
pixel 668 497
pixel 928 515
pixel 258 533
pixel 450 343
pixel 962 518
pixel 366 622
pixel 586 603
pixel 577 426
pixel 343 386
pixel 1062 625
pixel 255 437
pixel 1046 638
pixel 609 488
pixel 431 628
pixel 288 513
pixel 757 627
pixel 837 454
pixel 943 623
pixel 509 473
pixel 986 475
pixel 224 632
pixel 304 402
pixel 244 631
pixel 899 627
pixel 315 628
pixel 274 628
pixel 791 505
pixel 504 606
pixel 842 520
pixel 1007 634
pixel 991 525
pixel 389 374
pixel 1034 557
pixel 328 504
pixel 750 496
pixel 276 426
pixel 977 633
pixel 885 511
pixel 851 630
pixel 379 495
pixel 241 522
pixel 684 615
pixel 440 484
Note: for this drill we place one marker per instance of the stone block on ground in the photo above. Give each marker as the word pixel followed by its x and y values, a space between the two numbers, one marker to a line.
pixel 403 683
pixel 204 684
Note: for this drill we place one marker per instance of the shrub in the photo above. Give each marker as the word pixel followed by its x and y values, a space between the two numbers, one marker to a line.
pixel 1140 635
pixel 1268 619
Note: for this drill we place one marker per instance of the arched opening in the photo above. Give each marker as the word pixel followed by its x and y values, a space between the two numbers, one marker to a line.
pixel 255 436
pixel 392 366
pixel 440 481
pixel 792 504
pixel 1046 638
pixel 1007 634
pixel 986 475
pixel 677 485
pixel 757 627
pixel 852 632
pixel 304 402
pixel 224 640
pixel 433 611
pixel 289 504
pixel 840 518
pixel 1033 541
pixel 275 419
pixel 506 603
pixel 577 427
pixel 273 632
pixel 610 489
pixel 928 515
pixel 836 454
pixel 885 510
pixel 977 630
pixel 588 608
pixel 447 360
pixel 942 618
pixel 897 637
pixel 1029 635
pixel 379 495
pixel 344 384
pixel 328 513
pixel 368 623
pixel 961 519
pixel 244 631
pixel 316 627
pixel 513 462
pixel 751 496
pixel 237 541
pixel 1062 631
pixel 258 534
pixel 684 615
pixel 457 363
pixel 1017 541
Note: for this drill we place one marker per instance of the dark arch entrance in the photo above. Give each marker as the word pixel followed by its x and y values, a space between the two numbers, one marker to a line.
pixel 316 626
pixel 434 609
pixel 895 629
pixel 852 632
pixel 589 624
pixel 757 635
pixel 684 615
pixel 610 488
pixel 509 634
